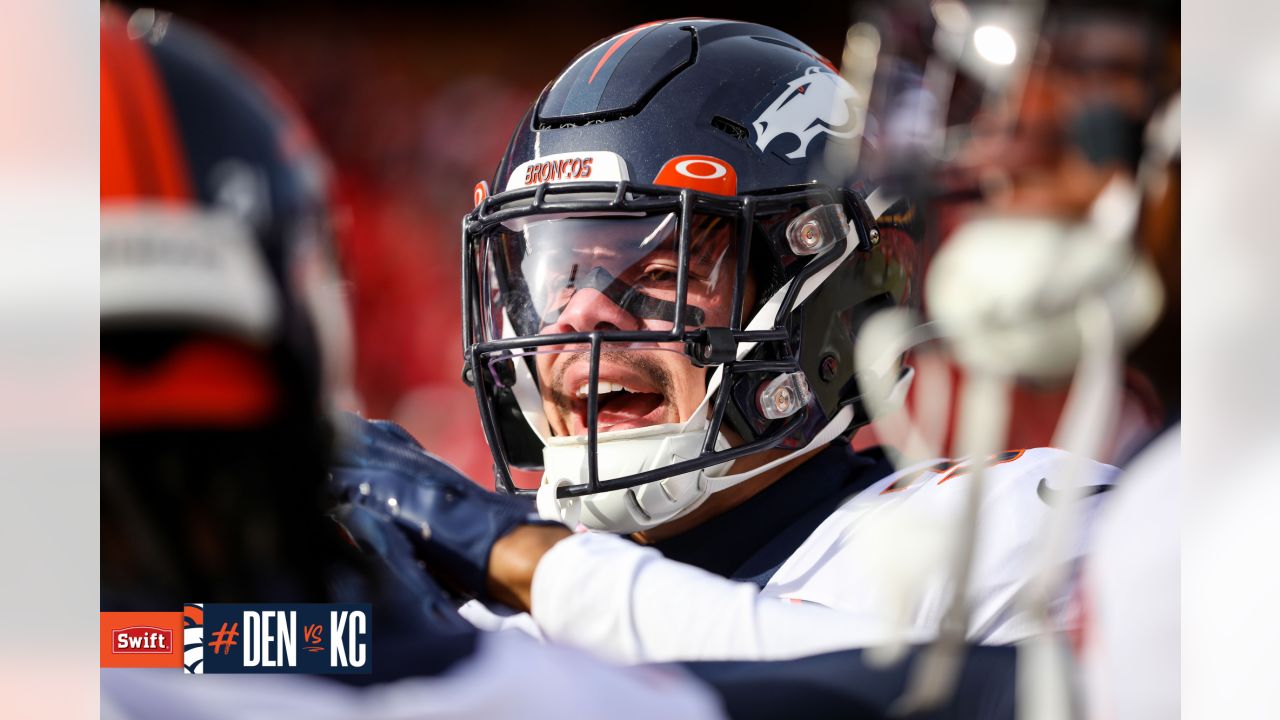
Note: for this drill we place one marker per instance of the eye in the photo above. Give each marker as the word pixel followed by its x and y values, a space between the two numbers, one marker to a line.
pixel 658 275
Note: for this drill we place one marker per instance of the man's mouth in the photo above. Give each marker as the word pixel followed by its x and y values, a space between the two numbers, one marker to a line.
pixel 620 407
pixel 634 391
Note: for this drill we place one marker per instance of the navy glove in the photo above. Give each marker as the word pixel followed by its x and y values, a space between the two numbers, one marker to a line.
pixel 452 522
pixel 416 629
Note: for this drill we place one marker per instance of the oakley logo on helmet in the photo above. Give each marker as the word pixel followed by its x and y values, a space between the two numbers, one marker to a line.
pixel 569 167
pixel 480 192
pixel 699 172
pixel 816 102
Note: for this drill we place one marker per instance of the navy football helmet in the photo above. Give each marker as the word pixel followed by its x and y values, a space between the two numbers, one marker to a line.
pixel 673 207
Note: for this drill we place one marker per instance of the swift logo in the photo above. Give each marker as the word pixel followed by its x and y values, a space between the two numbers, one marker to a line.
pixel 816 102
pixel 142 640
pixel 139 639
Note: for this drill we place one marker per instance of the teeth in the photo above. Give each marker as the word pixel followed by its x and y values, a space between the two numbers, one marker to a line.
pixel 605 389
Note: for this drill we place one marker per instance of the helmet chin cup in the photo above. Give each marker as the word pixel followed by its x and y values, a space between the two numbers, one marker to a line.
pixel 621 453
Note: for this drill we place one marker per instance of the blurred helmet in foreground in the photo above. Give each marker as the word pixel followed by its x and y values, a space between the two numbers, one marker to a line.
pixel 224 336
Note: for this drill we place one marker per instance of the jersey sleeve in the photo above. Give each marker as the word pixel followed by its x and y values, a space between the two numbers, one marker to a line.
pixel 629 604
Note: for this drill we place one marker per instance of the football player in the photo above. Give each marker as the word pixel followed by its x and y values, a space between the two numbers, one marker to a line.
pixel 663 283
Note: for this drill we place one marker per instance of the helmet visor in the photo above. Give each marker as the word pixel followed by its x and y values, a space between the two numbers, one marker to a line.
pixel 569 274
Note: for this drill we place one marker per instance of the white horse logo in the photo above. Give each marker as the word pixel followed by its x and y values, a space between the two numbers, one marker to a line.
pixel 816 102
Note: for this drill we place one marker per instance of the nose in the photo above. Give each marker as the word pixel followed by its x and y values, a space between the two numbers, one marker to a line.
pixel 589 310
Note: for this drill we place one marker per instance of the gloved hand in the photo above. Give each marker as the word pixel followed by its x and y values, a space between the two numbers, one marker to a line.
pixel 417 630
pixel 452 522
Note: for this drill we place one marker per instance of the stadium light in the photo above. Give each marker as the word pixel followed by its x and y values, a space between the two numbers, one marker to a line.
pixel 995 45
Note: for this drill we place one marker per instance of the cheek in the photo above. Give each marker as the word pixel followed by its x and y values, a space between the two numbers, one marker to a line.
pixel 718 305
pixel 550 408
pixel 690 386
pixel 543 365
pixel 718 315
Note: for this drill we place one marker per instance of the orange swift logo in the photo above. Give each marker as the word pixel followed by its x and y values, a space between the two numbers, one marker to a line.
pixel 140 639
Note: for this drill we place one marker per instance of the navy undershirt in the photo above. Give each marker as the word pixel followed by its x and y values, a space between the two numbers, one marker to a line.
pixel 751 541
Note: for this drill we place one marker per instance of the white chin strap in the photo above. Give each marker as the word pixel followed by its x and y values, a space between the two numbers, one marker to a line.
pixel 620 453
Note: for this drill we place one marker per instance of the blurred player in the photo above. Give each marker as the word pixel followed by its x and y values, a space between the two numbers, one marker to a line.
pixel 1053 140
pixel 662 296
pixel 1131 638
pixel 223 346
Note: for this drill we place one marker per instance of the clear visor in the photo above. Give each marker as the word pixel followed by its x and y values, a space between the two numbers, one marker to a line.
pixel 620 274
pixel 566 274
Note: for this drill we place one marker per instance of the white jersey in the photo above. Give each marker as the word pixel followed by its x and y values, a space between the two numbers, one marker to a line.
pixel 843 587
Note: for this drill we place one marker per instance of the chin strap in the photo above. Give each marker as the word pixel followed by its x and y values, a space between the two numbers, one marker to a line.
pixel 838 424
pixel 568 510
pixel 896 397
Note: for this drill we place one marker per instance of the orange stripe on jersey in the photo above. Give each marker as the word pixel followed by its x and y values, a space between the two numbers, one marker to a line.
pixel 1000 458
pixel 141 152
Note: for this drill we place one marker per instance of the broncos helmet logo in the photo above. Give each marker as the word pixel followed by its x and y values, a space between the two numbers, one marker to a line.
pixel 816 102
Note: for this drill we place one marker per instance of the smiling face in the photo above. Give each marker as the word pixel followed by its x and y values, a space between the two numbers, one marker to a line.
pixel 626 281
